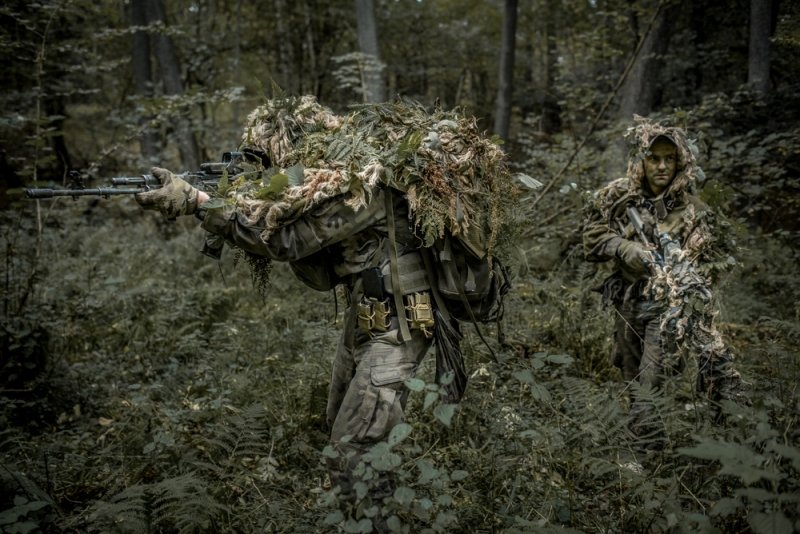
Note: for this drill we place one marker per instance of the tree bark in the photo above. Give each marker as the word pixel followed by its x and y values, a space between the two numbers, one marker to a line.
pixel 551 111
pixel 640 89
pixel 374 85
pixel 170 73
pixel 758 57
pixel 502 119
pixel 142 74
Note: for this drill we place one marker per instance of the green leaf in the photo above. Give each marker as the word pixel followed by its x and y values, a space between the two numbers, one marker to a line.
pixel 415 384
pixel 561 359
pixel 788 452
pixel 540 393
pixel 334 518
pixel 427 471
pixel 430 398
pixel 358 527
pixel 387 462
pixel 525 376
pixel 275 187
pixel 361 489
pixel 296 175
pixel 772 523
pixel 458 475
pixel 737 460
pixel 399 433
pixel 444 413
pixel 725 507
pixel 223 183
pixel 329 452
pixel 404 495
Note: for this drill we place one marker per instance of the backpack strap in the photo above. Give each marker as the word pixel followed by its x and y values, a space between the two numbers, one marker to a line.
pixel 397 293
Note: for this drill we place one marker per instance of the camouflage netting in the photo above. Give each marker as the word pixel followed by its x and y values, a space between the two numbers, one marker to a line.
pixel 454 178
pixel 689 320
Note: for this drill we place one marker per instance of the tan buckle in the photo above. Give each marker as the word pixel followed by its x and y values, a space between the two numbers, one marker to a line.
pixel 420 313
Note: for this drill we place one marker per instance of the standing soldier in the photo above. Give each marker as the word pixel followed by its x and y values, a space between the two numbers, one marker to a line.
pixel 666 246
pixel 349 221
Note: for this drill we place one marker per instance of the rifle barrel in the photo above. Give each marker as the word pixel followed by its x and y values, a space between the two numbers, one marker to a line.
pixel 100 191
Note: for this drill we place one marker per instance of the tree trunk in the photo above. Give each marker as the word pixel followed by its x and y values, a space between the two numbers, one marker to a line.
pixel 640 89
pixel 374 86
pixel 170 73
pixel 283 39
pixel 142 74
pixel 551 111
pixel 502 119
pixel 758 58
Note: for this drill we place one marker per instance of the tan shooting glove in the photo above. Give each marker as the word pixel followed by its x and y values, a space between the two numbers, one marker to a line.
pixel 635 256
pixel 174 197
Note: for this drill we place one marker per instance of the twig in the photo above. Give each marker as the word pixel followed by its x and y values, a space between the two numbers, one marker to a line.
pixel 607 103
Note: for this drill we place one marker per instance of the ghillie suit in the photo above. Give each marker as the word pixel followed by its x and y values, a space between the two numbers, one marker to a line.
pixel 663 314
pixel 454 179
pixel 363 201
pixel 688 320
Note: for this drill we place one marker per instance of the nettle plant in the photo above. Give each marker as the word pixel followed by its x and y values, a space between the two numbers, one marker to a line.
pixel 423 498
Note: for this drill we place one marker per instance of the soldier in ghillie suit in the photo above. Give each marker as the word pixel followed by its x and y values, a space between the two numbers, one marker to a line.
pixel 352 201
pixel 660 287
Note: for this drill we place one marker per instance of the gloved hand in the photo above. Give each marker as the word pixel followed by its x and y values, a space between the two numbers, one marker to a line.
pixel 174 197
pixel 635 256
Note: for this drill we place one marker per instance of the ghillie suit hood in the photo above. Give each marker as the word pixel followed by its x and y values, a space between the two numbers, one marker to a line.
pixel 454 179
pixel 641 137
pixel 610 202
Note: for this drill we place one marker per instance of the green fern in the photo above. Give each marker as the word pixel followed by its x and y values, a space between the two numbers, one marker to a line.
pixel 180 503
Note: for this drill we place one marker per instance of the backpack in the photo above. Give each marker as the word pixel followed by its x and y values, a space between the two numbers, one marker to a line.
pixel 470 286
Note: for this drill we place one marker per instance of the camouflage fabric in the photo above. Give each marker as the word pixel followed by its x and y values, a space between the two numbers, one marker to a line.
pixel 664 313
pixel 327 203
pixel 367 399
pixel 367 396
pixel 175 196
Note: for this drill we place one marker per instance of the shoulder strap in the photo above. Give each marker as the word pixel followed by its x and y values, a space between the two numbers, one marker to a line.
pixel 397 292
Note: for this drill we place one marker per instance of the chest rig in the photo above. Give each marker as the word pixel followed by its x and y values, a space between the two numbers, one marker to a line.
pixel 396 290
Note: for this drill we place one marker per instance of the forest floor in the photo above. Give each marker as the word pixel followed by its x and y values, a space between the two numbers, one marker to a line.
pixel 150 389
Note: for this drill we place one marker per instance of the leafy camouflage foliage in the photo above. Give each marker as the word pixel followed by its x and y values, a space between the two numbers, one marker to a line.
pixel 454 178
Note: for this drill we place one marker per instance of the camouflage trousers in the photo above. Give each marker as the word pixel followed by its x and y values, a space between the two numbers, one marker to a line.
pixel 647 353
pixel 366 400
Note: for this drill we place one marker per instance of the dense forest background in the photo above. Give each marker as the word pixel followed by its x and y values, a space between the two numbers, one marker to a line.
pixel 147 388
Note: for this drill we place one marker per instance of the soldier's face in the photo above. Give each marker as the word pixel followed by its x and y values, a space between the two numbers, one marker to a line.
pixel 660 165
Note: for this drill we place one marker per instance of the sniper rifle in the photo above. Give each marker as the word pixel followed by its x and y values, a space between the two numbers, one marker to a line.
pixel 206 179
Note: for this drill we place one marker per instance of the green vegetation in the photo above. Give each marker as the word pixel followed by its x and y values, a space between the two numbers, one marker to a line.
pixel 147 388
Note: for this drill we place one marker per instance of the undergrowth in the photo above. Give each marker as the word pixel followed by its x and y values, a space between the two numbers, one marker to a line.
pixel 148 388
